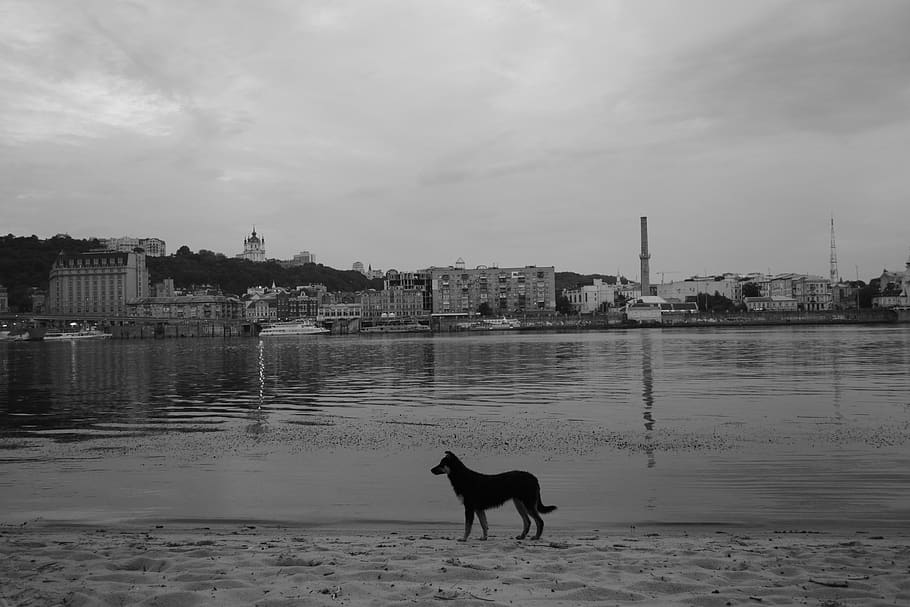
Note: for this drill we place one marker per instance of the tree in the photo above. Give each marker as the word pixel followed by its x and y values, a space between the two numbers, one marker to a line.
pixel 751 289
pixel 563 306
pixel 484 309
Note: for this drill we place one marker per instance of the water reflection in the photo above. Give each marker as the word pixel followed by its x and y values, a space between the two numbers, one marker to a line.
pixel 647 391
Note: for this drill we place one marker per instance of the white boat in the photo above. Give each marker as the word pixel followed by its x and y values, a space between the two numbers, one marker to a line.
pixel 491 324
pixel 83 334
pixel 292 327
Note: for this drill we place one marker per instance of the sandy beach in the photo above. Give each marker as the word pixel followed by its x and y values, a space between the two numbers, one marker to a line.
pixel 248 564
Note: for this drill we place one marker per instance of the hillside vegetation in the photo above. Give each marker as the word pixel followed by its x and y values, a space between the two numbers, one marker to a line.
pixel 25 264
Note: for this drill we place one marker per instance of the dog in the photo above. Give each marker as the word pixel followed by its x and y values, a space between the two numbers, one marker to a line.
pixel 480 492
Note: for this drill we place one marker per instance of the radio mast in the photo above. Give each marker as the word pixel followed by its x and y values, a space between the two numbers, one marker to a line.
pixel 833 273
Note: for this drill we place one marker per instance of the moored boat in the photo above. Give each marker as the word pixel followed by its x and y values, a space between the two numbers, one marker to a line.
pixel 81 334
pixel 292 327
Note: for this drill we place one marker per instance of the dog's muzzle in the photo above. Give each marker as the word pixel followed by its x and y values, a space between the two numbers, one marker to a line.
pixel 439 470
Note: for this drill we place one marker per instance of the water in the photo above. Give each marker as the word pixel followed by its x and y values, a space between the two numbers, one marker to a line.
pixel 790 428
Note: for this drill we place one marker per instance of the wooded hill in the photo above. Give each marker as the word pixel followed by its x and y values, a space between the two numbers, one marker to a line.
pixel 25 264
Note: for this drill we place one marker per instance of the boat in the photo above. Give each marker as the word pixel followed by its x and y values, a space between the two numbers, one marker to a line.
pixel 503 323
pixel 396 325
pixel 491 324
pixel 81 334
pixel 292 327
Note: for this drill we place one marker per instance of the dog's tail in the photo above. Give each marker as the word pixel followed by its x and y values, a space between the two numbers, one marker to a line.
pixel 541 508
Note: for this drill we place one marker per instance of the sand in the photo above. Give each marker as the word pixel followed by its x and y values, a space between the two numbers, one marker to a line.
pixel 248 564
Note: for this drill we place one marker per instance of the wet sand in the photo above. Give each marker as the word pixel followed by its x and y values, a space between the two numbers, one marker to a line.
pixel 253 564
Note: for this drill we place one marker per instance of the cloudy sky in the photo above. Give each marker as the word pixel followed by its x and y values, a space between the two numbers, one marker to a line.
pixel 408 133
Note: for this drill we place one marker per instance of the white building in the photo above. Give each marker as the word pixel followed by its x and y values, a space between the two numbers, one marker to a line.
pixel 591 298
pixel 153 247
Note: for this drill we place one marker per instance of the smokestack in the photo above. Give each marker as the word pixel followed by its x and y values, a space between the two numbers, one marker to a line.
pixel 645 259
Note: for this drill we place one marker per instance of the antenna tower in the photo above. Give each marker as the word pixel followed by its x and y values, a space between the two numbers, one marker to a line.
pixel 833 273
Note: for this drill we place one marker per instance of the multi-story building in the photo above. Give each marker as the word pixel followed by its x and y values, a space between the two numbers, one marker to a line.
pixel 300 259
pixel 153 247
pixel 398 302
pixel 97 283
pixel 812 293
pixel 304 257
pixel 728 285
pixel 253 248
pixel 296 304
pixel 591 298
pixel 215 307
pixel 4 300
pixel 358 267
pixel 457 289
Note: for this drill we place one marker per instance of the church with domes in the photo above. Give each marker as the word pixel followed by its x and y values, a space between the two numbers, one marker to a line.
pixel 253 248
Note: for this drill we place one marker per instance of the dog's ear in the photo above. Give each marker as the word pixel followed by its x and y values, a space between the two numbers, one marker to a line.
pixel 449 453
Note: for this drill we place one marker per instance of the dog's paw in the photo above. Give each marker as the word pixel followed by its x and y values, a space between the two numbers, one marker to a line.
pixel 483 539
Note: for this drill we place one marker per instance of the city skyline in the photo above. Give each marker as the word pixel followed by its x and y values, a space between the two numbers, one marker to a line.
pixel 408 135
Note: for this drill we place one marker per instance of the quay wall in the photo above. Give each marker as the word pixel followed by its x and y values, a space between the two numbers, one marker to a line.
pixel 172 329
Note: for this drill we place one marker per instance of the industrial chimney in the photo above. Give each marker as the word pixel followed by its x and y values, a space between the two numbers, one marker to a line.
pixel 645 259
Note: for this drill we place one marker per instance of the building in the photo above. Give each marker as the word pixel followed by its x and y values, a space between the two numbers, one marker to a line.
pixel 503 290
pixel 646 308
pixel 339 311
pixel 4 300
pixel 894 289
pixel 253 248
pixel 214 307
pixel 728 285
pixel 591 298
pixel 97 283
pixel 396 302
pixel 300 259
pixel 153 247
pixel 845 295
pixel 358 267
pixel 812 293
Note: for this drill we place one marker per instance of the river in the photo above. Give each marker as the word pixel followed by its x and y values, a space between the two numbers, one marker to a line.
pixel 783 427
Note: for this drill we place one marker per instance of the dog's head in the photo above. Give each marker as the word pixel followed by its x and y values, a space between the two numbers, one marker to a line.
pixel 446 464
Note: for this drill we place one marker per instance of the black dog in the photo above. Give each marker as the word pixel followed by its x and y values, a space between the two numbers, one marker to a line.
pixel 479 492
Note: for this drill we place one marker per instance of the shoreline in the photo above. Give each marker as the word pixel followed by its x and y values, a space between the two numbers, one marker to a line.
pixel 246 564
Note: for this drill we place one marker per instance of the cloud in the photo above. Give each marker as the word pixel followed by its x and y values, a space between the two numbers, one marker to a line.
pixel 832 67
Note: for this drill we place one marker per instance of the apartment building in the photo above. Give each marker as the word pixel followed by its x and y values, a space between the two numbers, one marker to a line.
pixel 97 283
pixel 505 290
pixel 153 247
pixel 4 300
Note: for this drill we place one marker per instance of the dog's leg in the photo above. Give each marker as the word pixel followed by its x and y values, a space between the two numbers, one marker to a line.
pixel 468 522
pixel 482 517
pixel 539 521
pixel 523 511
